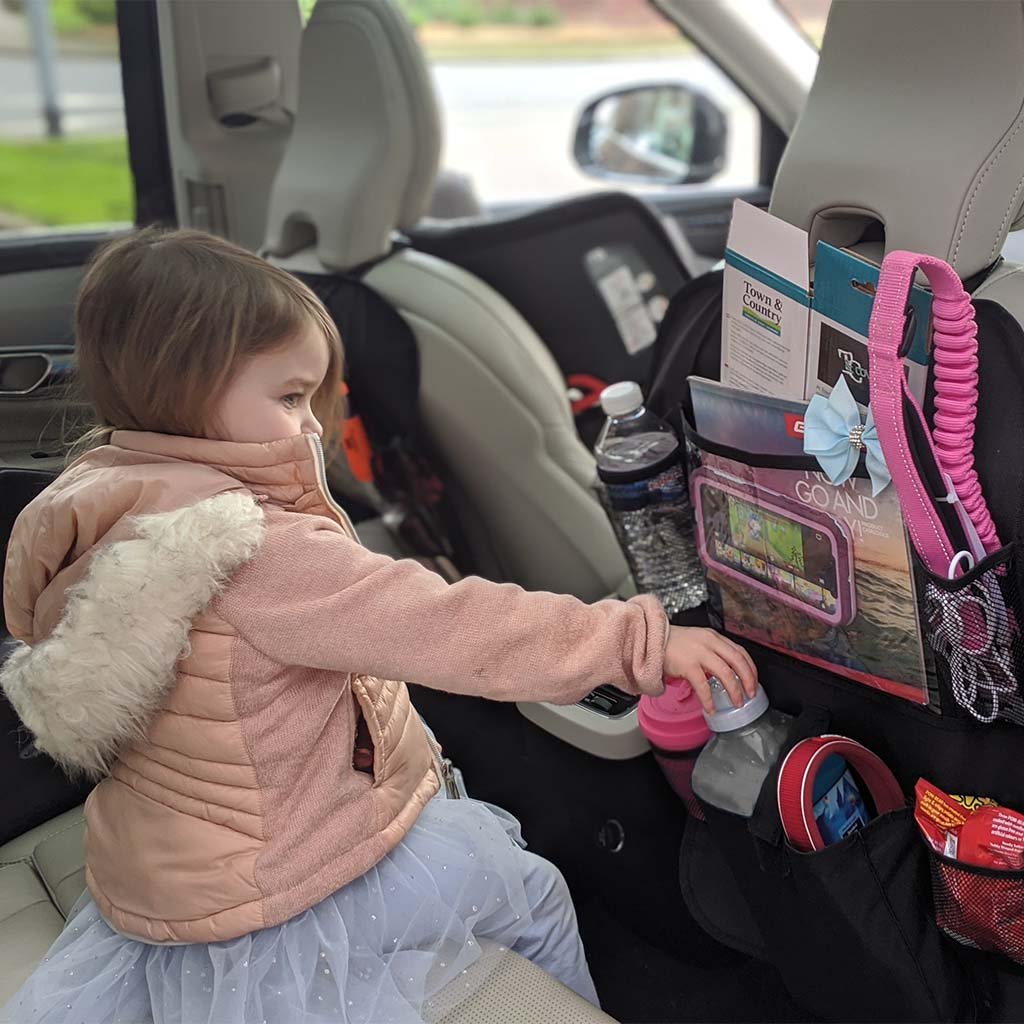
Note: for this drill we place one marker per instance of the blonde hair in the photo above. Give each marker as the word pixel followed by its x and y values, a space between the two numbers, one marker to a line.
pixel 165 318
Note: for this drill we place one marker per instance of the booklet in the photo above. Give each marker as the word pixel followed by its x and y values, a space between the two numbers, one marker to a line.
pixel 765 305
pixel 783 338
pixel 729 416
pixel 820 572
pixel 844 292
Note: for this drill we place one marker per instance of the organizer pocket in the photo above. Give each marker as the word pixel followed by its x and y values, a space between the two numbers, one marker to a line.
pixel 711 892
pixel 768 534
pixel 850 927
pixel 979 907
pixel 818 571
pixel 973 626
pixel 864 902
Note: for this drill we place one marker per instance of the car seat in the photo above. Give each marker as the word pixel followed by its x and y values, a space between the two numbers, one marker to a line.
pixel 913 138
pixel 42 875
pixel 592 275
pixel 360 164
pixel 912 134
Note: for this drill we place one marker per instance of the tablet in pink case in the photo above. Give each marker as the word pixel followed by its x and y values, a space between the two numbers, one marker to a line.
pixel 795 554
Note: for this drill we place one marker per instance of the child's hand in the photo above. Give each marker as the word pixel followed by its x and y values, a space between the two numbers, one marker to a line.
pixel 696 654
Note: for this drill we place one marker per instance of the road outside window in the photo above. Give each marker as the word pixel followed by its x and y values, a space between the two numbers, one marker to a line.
pixel 513 77
pixel 63 149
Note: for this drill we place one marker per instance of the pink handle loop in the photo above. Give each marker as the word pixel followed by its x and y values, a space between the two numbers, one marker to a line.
pixel 955 358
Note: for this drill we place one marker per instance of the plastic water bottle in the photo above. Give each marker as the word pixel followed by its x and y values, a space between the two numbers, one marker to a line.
pixel 645 496
pixel 747 740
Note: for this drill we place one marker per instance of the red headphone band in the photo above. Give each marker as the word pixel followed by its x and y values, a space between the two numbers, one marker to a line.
pixel 796 785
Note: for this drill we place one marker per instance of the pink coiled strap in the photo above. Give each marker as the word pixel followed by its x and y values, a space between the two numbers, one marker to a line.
pixel 955 358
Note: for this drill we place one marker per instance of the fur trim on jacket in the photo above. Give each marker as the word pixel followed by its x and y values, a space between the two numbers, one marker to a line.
pixel 94 683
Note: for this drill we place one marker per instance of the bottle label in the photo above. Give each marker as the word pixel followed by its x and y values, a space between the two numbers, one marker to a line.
pixel 667 486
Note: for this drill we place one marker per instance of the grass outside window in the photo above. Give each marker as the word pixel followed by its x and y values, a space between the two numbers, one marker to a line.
pixel 65 181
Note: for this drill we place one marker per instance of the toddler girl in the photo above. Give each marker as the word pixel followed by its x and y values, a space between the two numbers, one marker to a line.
pixel 203 634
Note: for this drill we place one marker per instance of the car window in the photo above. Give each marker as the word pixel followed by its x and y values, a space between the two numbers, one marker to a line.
pixel 513 78
pixel 63 146
pixel 809 15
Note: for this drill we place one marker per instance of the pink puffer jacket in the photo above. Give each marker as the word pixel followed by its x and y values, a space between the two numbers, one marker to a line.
pixel 201 630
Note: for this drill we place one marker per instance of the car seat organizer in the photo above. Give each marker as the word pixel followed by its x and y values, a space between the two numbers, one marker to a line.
pixel 886 620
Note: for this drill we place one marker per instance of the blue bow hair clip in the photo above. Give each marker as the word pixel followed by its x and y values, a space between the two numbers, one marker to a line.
pixel 835 436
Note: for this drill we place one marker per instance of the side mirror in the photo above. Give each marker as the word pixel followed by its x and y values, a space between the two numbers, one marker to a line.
pixel 663 134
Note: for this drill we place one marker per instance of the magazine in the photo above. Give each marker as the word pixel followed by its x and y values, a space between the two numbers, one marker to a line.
pixel 765 304
pixel 820 572
pixel 784 338
pixel 844 292
pixel 731 417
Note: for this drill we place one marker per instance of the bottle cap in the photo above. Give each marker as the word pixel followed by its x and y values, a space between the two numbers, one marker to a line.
pixel 619 399
pixel 727 716
pixel 674 720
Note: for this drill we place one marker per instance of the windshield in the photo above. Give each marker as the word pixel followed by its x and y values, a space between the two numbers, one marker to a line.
pixel 809 16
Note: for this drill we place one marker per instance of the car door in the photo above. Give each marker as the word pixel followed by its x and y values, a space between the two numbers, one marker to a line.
pixel 69 179
pixel 97 96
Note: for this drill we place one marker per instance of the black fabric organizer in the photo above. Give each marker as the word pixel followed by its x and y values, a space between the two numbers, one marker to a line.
pixel 851 928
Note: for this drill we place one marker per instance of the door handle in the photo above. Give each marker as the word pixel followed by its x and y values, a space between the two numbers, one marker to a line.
pixel 22 373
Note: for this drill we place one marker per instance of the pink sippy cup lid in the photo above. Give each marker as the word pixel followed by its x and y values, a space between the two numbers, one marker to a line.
pixel 674 720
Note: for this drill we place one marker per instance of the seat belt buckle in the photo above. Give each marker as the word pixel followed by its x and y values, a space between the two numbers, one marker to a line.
pixel 584 392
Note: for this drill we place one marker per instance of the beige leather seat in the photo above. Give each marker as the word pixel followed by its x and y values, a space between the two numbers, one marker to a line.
pixel 360 164
pixel 904 140
pixel 42 875
pixel 902 132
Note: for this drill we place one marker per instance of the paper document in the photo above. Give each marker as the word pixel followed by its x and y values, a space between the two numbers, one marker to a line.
pixel 844 292
pixel 765 305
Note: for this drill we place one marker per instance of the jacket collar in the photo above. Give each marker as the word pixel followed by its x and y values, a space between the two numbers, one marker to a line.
pixel 288 473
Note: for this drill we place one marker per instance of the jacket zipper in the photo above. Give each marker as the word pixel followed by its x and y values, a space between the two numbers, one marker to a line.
pixel 325 490
pixel 445 768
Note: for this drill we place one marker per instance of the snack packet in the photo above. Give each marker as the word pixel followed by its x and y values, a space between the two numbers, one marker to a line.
pixel 972 830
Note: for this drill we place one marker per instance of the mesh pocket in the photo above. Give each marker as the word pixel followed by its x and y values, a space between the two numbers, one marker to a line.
pixel 980 908
pixel 973 624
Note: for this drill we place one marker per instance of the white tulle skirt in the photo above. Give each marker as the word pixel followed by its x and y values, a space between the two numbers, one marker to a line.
pixel 379 950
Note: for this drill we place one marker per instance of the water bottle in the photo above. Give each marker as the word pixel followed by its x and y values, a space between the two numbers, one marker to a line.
pixel 674 725
pixel 645 496
pixel 747 740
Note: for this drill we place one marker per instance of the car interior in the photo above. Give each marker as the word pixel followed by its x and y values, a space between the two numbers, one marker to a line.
pixel 324 155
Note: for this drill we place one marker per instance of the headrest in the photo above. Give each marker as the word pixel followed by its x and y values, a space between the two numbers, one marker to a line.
pixel 915 121
pixel 367 138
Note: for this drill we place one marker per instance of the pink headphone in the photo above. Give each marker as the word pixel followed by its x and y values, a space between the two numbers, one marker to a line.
pixel 796 785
